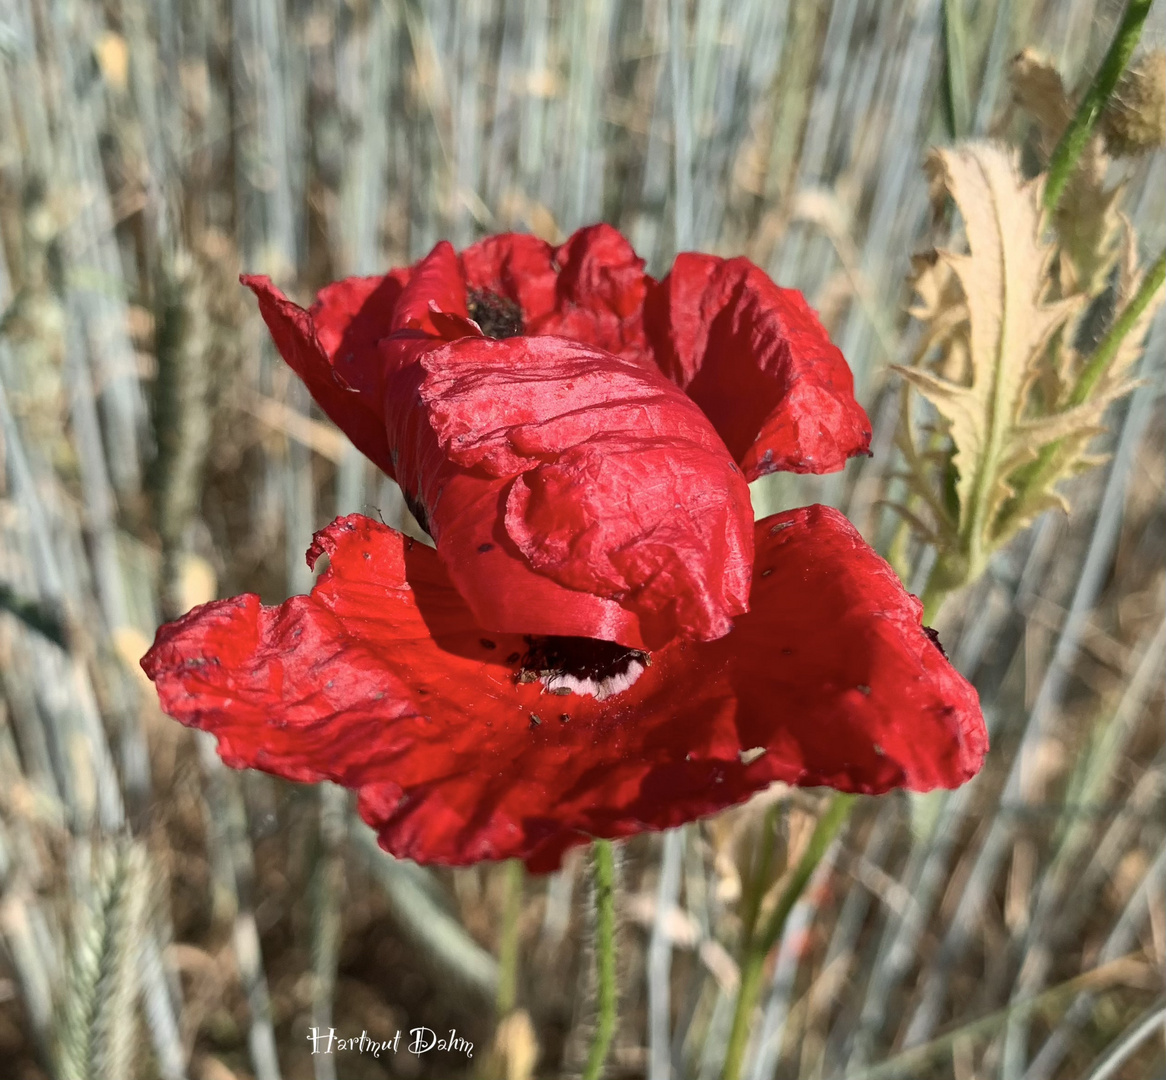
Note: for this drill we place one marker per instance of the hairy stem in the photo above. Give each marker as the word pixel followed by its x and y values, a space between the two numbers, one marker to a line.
pixel 753 963
pixel 603 869
pixel 1076 136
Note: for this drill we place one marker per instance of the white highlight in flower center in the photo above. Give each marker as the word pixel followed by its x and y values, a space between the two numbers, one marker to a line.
pixel 606 687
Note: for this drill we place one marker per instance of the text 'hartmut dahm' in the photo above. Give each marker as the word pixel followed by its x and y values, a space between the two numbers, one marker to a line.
pixel 421 1041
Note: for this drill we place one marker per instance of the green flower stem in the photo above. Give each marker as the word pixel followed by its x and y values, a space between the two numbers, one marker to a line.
pixel 939 586
pixel 758 877
pixel 1076 135
pixel 761 943
pixel 603 869
pixel 507 995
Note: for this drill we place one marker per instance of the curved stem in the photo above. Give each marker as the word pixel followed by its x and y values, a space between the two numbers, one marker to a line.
pixel 508 944
pixel 603 869
pixel 1076 135
pixel 758 948
pixel 758 877
pixel 1037 475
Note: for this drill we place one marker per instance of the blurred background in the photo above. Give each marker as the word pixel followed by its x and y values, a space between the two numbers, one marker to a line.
pixel 163 917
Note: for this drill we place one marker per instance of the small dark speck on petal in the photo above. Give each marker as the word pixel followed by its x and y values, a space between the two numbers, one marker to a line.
pixel 513 658
pixel 766 573
pixel 863 689
pixel 486 643
pixel 564 717
pixel 367 554
pixel 779 526
pixel 535 720
pixel 787 652
pixel 733 466
pixel 329 684
pixel 297 631
pixel 378 696
pixel 483 548
pixel 879 750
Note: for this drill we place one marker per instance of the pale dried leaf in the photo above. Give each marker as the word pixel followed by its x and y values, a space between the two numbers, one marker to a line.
pixel 1004 278
pixel 1088 224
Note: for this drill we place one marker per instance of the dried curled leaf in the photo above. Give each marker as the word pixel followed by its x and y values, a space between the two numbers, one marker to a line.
pixel 1087 222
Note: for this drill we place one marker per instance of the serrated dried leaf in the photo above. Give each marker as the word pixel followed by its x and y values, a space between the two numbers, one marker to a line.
pixel 1088 224
pixel 934 284
pixel 1004 279
pixel 939 304
pixel 1038 496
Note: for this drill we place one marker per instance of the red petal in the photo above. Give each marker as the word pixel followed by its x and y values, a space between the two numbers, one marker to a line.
pixel 380 680
pixel 648 535
pixel 517 266
pixel 328 347
pixel 610 482
pixel 599 294
pixel 758 362
pixel 435 284
pixel 834 641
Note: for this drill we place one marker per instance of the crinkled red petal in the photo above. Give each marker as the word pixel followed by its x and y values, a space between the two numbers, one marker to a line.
pixel 547 455
pixel 756 359
pixel 590 288
pixel 381 680
pixel 609 511
pixel 517 266
pixel 328 348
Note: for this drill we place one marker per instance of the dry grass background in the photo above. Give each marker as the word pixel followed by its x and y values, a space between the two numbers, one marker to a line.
pixel 161 916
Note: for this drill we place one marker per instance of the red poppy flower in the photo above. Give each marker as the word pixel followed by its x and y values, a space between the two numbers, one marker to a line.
pixel 603 641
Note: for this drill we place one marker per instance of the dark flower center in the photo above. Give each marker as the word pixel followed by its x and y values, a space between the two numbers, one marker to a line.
pixel 578 665
pixel 498 316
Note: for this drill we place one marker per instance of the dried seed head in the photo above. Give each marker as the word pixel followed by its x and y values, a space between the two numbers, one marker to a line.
pixel 498 316
pixel 1134 121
